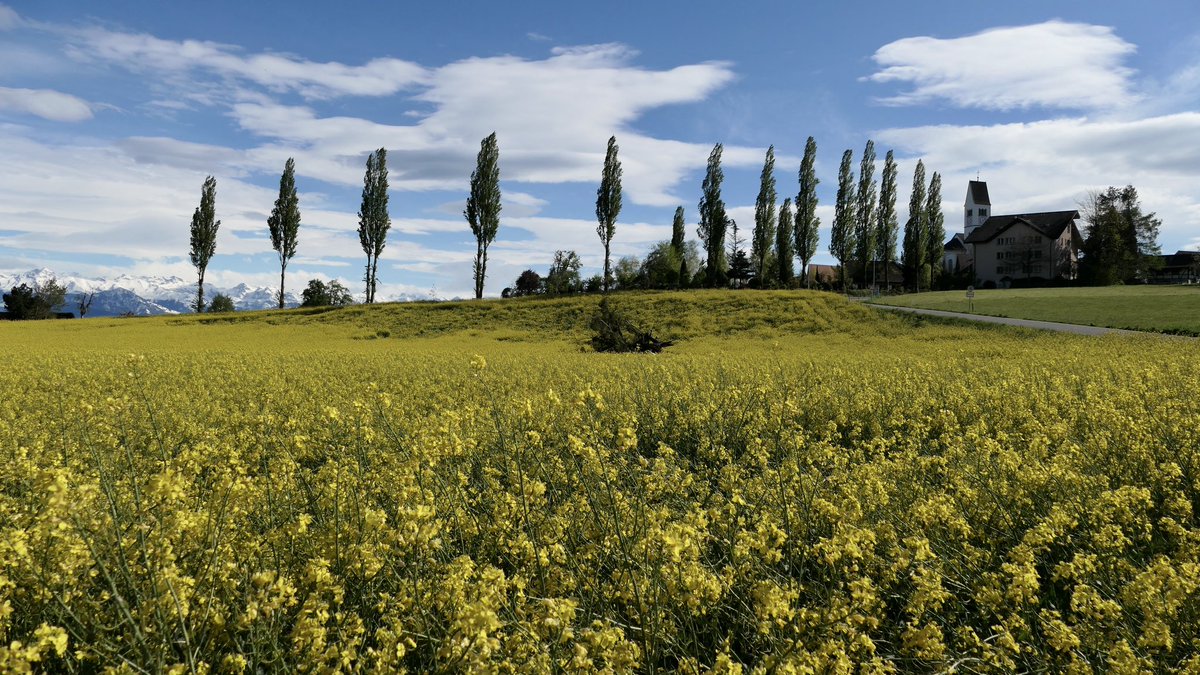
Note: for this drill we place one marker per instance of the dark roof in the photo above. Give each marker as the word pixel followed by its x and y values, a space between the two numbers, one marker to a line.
pixel 1050 223
pixel 979 193
pixel 956 243
pixel 1181 259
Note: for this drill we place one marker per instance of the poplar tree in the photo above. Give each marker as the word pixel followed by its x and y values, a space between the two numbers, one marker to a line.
pixel 864 231
pixel 284 222
pixel 713 221
pixel 841 237
pixel 204 235
pixel 887 228
pixel 935 238
pixel 764 218
pixel 608 204
pixel 783 244
pixel 807 222
pixel 373 219
pixel 483 205
pixel 915 245
pixel 677 243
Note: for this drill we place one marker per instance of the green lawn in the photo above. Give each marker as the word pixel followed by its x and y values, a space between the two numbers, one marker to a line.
pixel 1169 309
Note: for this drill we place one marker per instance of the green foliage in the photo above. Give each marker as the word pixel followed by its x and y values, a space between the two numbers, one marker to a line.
pixel 563 276
pixel 608 204
pixel 677 231
pixel 628 273
pixel 763 237
pixel 528 282
pixel 807 223
pixel 864 215
pixel 483 206
pixel 204 235
pixel 713 220
pixel 284 221
pixel 320 294
pixel 613 332
pixel 841 236
pixel 221 303
pixel 25 303
pixel 916 244
pixel 887 227
pixel 935 238
pixel 783 245
pixel 1120 241
pixel 373 219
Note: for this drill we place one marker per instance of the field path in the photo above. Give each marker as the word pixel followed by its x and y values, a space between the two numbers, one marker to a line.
pixel 1023 323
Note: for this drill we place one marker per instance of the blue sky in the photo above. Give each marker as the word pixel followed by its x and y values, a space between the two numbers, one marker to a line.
pixel 112 114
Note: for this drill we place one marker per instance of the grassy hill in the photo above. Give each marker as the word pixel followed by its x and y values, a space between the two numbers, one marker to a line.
pixel 1164 309
pixel 677 316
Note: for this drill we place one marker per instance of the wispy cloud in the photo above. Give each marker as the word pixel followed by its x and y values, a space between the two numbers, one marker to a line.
pixel 276 72
pixel 45 103
pixel 1053 64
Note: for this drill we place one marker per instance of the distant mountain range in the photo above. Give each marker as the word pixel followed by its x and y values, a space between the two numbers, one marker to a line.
pixel 150 295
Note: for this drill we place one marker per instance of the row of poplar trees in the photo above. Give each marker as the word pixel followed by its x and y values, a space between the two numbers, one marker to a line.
pixel 864 233
pixel 863 236
pixel 482 213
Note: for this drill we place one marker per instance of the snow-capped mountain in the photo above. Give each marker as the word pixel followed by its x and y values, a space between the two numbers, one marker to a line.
pixel 143 296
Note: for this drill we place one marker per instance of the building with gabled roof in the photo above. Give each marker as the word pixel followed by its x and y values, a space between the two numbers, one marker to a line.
pixel 1005 248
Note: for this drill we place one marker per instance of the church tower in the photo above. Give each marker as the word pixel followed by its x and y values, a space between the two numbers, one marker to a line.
pixel 977 207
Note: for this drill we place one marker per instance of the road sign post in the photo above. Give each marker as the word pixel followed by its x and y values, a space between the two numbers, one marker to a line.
pixel 971 299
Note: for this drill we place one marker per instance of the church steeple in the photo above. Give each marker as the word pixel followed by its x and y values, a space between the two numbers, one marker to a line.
pixel 977 208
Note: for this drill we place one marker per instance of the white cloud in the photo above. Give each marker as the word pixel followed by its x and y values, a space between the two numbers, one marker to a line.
pixel 1053 64
pixel 1051 164
pixel 45 103
pixel 9 19
pixel 277 72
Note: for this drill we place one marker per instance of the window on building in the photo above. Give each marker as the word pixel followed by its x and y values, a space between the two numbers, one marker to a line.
pixel 969 214
pixel 1000 269
pixel 999 255
pixel 983 212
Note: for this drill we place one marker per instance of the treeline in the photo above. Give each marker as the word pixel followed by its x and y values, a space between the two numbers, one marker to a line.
pixel 864 235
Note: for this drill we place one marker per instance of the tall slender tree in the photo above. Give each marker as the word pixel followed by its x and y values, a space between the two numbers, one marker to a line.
pixel 887 228
pixel 841 237
pixel 284 222
pixel 783 244
pixel 677 244
pixel 915 232
pixel 864 230
pixel 713 220
pixel 935 237
pixel 608 204
pixel 204 235
pixel 373 219
pixel 762 239
pixel 483 205
pixel 807 223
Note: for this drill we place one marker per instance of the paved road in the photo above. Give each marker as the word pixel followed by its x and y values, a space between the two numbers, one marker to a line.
pixel 1024 323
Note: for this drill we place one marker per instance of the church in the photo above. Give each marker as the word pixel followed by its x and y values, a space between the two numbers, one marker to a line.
pixel 1022 247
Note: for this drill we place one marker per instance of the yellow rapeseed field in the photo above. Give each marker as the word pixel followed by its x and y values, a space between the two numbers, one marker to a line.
pixel 800 485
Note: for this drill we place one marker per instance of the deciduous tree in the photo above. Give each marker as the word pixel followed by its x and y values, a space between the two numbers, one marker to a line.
pixel 935 238
pixel 204 235
pixel 284 221
pixel 1120 241
pixel 887 227
pixel 864 215
pixel 807 223
pixel 783 244
pixel 713 220
pixel 763 237
pixel 608 204
pixel 373 219
pixel 677 245
pixel 483 205
pixel 841 236
pixel 915 232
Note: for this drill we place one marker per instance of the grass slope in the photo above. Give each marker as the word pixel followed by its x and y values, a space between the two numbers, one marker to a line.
pixel 1165 309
